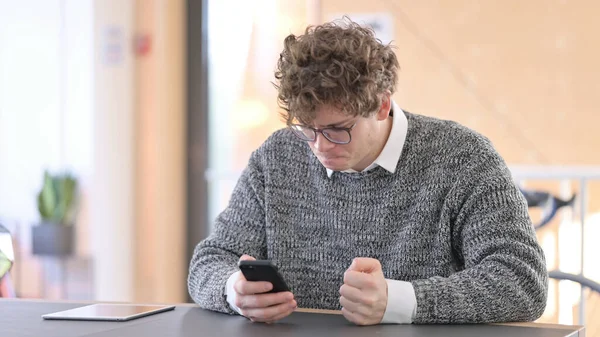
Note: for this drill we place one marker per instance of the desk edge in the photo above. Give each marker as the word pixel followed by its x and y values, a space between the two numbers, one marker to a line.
pixel 580 330
pixel 574 328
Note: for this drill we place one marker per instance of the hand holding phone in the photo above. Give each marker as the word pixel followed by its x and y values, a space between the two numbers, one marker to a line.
pixel 263 270
pixel 265 297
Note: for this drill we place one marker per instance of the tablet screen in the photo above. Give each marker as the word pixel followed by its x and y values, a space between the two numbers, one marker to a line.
pixel 109 312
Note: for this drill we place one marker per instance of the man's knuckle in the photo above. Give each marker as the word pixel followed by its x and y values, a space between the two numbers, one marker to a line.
pixel 237 287
pixel 370 283
pixel 239 302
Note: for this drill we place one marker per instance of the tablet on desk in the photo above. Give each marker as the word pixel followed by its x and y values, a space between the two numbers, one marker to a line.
pixel 108 312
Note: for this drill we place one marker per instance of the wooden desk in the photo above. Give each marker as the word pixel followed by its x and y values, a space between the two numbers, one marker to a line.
pixel 22 318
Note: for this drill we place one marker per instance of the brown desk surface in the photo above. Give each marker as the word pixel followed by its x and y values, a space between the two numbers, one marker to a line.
pixel 23 318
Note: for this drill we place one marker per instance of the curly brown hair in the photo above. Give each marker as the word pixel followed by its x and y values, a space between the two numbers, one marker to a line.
pixel 337 63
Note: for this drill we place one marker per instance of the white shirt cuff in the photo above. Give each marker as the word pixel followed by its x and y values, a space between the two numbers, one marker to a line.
pixel 401 303
pixel 230 291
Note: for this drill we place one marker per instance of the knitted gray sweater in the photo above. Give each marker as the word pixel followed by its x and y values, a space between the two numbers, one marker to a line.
pixel 450 220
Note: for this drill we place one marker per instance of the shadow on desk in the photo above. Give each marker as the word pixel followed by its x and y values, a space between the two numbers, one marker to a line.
pixel 197 322
pixel 23 318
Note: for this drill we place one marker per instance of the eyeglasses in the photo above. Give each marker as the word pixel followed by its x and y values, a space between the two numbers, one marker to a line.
pixel 333 134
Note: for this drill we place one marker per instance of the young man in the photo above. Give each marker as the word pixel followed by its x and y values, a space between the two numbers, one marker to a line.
pixel 389 216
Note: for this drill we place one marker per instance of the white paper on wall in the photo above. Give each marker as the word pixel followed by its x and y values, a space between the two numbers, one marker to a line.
pixel 381 22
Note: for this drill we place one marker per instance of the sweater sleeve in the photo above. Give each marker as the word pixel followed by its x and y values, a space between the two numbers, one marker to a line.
pixel 238 230
pixel 504 276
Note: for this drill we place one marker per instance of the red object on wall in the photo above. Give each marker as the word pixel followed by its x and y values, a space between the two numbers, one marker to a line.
pixel 142 44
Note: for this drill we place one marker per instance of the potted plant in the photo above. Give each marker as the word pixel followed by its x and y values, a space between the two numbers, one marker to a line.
pixel 57 206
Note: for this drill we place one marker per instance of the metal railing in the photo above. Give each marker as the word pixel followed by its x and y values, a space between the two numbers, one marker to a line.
pixel 581 174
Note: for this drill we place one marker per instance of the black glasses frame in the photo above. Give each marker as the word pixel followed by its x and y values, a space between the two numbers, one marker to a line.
pixel 322 131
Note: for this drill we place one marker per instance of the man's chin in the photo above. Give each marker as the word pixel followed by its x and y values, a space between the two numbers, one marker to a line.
pixel 335 165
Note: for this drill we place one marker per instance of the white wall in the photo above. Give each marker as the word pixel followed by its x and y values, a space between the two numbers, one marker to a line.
pixel 77 69
pixel 65 104
pixel 30 112
pixel 113 213
pixel 46 81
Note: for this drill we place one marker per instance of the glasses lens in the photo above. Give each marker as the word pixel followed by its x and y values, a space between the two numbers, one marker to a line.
pixel 303 132
pixel 337 136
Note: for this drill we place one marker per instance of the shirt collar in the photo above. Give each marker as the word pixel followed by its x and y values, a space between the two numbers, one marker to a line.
pixel 389 156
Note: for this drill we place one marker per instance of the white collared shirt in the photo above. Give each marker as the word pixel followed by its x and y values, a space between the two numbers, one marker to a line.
pixel 401 301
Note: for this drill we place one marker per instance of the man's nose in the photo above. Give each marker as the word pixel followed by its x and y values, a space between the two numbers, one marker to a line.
pixel 322 144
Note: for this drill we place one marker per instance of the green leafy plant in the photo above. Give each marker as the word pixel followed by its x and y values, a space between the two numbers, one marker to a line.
pixel 57 200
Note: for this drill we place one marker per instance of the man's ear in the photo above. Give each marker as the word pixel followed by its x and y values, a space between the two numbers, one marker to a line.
pixel 386 106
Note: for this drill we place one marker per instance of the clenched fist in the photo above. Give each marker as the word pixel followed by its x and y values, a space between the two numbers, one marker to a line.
pixel 364 292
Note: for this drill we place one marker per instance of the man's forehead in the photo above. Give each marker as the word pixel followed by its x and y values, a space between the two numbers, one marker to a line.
pixel 330 116
pixel 329 122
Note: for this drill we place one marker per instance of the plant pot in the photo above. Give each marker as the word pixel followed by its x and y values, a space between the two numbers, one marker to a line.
pixel 52 239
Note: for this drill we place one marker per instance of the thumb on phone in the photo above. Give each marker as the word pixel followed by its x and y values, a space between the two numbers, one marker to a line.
pixel 246 257
pixel 238 274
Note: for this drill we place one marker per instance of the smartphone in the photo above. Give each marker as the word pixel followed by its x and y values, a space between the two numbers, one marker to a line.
pixel 263 270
